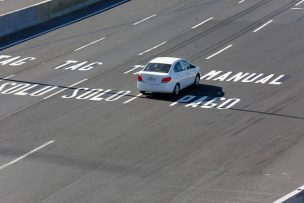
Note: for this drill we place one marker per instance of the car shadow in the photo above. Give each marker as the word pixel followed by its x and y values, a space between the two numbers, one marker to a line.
pixel 199 91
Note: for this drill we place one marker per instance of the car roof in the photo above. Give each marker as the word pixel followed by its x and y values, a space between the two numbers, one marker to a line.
pixel 165 60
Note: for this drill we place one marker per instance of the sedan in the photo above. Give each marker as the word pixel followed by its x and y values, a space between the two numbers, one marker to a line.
pixel 167 75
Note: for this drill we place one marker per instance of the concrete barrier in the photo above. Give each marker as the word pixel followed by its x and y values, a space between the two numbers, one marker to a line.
pixel 296 196
pixel 40 13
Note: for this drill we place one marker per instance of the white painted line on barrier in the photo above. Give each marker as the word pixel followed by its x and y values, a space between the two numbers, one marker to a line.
pixel 153 48
pixel 89 44
pixel 77 83
pixel 147 18
pixel 7 77
pixel 132 98
pixel 60 26
pixel 220 51
pixel 290 195
pixel 297 4
pixel 297 8
pixel 27 154
pixel 202 23
pixel 242 1
pixel 135 67
pixel 25 7
pixel 264 25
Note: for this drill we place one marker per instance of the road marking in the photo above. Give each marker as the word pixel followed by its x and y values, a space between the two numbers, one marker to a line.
pixel 220 51
pixel 81 81
pixel 7 77
pixel 63 25
pixel 136 73
pixel 132 98
pixel 147 18
pixel 89 44
pixel 25 7
pixel 27 154
pixel 135 67
pixel 153 48
pixel 264 25
pixel 297 4
pixel 297 8
pixel 202 23
pixel 242 1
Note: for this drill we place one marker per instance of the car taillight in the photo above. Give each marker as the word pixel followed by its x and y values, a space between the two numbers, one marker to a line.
pixel 139 78
pixel 165 80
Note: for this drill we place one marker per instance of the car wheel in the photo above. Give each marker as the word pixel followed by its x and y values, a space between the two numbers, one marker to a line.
pixel 143 92
pixel 176 90
pixel 196 81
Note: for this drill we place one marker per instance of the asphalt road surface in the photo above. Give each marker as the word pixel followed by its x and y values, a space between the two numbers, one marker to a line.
pixel 7 6
pixel 75 129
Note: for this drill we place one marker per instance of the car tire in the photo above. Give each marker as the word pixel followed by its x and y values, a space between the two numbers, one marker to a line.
pixel 176 90
pixel 196 81
pixel 143 92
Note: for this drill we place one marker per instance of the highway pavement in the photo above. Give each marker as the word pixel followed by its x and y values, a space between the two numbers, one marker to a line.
pixel 75 129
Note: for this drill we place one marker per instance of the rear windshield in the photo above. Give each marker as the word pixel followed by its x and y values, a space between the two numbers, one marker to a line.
pixel 157 67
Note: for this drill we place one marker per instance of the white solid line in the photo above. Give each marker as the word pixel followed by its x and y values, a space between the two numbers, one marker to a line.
pixel 241 1
pixel 147 18
pixel 153 48
pixel 25 7
pixel 89 44
pixel 81 81
pixel 60 26
pixel 7 77
pixel 132 98
pixel 220 51
pixel 202 23
pixel 27 154
pixel 297 8
pixel 297 4
pixel 256 30
pixel 135 67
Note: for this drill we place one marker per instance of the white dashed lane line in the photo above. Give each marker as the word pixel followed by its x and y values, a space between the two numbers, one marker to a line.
pixel 139 95
pixel 297 8
pixel 89 44
pixel 25 155
pixel 220 51
pixel 147 18
pixel 242 1
pixel 262 26
pixel 300 2
pixel 58 92
pixel 7 77
pixel 135 67
pixel 205 21
pixel 153 48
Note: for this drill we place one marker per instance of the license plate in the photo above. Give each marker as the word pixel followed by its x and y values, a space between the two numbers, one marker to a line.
pixel 151 78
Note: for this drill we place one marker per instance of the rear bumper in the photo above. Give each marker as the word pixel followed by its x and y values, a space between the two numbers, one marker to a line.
pixel 161 88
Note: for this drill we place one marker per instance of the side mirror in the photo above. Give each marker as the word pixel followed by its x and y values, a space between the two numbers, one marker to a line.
pixel 192 66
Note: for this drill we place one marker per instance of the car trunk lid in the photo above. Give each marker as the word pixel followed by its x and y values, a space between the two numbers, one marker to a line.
pixel 152 78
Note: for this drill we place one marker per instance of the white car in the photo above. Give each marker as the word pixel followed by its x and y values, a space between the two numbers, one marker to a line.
pixel 167 75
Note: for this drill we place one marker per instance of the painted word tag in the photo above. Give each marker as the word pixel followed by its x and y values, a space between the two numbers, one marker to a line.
pixel 76 65
pixel 14 60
